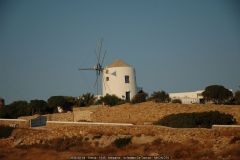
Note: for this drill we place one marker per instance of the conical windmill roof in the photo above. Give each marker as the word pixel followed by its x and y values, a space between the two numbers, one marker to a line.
pixel 118 63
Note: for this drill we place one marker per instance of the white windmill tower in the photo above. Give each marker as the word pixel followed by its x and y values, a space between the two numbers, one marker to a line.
pixel 117 78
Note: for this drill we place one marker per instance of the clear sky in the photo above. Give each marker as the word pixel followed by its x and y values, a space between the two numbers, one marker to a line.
pixel 174 45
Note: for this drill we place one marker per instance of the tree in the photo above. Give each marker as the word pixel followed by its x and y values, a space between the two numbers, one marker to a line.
pixel 140 97
pixel 57 101
pixel 86 100
pixel 110 100
pixel 2 104
pixel 237 97
pixel 17 109
pixel 38 107
pixel 70 100
pixel 3 112
pixel 160 96
pixel 217 94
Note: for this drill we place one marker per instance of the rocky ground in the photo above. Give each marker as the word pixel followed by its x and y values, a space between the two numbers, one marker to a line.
pixel 56 142
pixel 64 142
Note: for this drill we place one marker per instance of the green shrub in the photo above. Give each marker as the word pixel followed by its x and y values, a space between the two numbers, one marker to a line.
pixel 177 101
pixel 110 100
pixel 160 96
pixel 87 99
pixel 121 142
pixel 196 120
pixel 5 131
pixel 139 97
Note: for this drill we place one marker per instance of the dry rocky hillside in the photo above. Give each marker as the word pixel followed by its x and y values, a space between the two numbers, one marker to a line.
pixel 58 141
pixel 151 112
pixel 142 113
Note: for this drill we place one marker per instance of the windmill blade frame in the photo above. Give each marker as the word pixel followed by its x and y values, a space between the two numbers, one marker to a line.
pixel 81 69
pixel 103 57
pixel 99 65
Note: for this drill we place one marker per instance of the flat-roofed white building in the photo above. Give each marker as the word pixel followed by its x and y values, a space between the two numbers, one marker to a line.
pixel 188 97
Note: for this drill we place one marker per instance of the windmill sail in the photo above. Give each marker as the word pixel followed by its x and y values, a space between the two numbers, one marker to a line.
pixel 99 65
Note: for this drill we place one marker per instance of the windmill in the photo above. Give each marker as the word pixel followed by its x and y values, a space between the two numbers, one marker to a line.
pixel 98 68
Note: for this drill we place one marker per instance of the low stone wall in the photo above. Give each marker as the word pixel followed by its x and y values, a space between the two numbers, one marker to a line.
pixel 54 117
pixel 60 117
pixel 16 123
pixel 142 113
pixel 82 116
pixel 151 112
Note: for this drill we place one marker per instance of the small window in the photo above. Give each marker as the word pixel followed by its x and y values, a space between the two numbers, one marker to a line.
pixel 107 78
pixel 126 79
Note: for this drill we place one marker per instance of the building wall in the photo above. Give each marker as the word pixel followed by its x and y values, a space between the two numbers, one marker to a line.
pixel 116 84
pixel 188 97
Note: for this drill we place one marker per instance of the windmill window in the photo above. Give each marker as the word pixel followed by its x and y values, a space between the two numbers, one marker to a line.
pixel 107 78
pixel 126 79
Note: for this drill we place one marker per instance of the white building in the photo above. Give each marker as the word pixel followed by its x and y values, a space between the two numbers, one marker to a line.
pixel 119 79
pixel 188 97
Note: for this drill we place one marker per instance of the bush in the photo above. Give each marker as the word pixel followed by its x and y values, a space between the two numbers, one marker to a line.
pixel 56 101
pixel 3 112
pixel 2 102
pixel 121 142
pixel 38 107
pixel 86 100
pixel 177 101
pixel 15 110
pixel 160 96
pixel 196 120
pixel 139 97
pixel 5 131
pixel 110 100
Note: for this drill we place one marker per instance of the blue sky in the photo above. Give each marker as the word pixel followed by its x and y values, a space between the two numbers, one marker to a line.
pixel 174 45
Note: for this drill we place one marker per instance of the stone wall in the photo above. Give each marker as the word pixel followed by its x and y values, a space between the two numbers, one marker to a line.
pixel 151 112
pixel 143 113
pixel 16 123
pixel 82 116
pixel 53 117
pixel 60 117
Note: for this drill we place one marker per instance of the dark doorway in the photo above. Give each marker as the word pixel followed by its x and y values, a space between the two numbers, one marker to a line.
pixel 128 96
pixel 201 101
